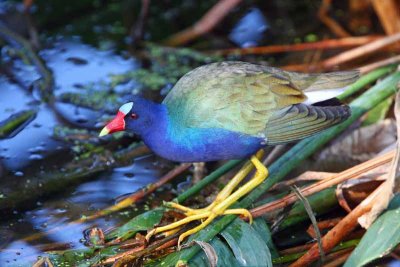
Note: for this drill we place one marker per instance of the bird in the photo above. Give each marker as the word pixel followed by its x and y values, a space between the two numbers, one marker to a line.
pixel 232 110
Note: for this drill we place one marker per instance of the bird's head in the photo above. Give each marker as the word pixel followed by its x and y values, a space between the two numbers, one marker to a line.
pixel 136 116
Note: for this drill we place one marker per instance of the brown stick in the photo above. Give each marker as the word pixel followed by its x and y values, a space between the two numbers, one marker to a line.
pixel 389 15
pixel 360 51
pixel 323 225
pixel 328 21
pixel 296 249
pixel 338 259
pixel 340 231
pixel 114 258
pixel 378 64
pixel 323 45
pixel 304 177
pixel 363 69
pixel 328 182
pixel 205 24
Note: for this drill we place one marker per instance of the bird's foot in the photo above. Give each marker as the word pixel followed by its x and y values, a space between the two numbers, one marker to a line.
pixel 206 215
pixel 220 205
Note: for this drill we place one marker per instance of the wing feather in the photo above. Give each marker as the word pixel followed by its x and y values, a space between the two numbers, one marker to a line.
pixel 240 100
pixel 255 100
pixel 302 120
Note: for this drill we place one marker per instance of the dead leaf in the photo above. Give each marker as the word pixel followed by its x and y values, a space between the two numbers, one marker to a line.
pixel 391 185
pixel 359 146
pixel 353 192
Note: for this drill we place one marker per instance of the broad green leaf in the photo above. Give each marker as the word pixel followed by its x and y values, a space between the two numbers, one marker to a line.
pixel 225 256
pixel 247 245
pixel 380 239
pixel 142 222
pixel 262 229
pixel 241 239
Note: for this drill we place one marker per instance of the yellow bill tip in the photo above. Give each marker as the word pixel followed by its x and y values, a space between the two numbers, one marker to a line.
pixel 104 132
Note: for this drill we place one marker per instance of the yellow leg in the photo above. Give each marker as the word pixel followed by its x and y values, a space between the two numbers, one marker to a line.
pixel 222 202
pixel 224 193
pixel 260 175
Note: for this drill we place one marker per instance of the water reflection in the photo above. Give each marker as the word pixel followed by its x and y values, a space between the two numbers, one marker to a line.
pixel 73 65
pixel 15 151
pixel 57 213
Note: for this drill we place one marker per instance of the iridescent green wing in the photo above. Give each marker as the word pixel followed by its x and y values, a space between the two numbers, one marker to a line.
pixel 253 99
pixel 235 96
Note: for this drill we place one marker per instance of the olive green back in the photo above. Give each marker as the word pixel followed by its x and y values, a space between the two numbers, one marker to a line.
pixel 242 97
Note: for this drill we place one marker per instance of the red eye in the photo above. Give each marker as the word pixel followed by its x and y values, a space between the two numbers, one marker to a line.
pixel 134 116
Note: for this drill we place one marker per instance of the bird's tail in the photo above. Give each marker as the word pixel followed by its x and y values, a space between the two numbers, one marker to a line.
pixel 320 81
pixel 322 86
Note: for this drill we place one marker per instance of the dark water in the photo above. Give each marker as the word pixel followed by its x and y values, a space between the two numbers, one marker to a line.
pixel 72 64
pixel 72 204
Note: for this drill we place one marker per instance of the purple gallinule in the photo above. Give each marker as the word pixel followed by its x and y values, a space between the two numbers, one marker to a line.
pixel 231 110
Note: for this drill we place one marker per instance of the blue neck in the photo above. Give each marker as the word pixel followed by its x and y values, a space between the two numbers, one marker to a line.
pixel 168 138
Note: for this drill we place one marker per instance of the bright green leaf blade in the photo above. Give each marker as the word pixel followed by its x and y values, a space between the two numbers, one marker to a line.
pixel 381 238
pixel 142 222
pixel 247 245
